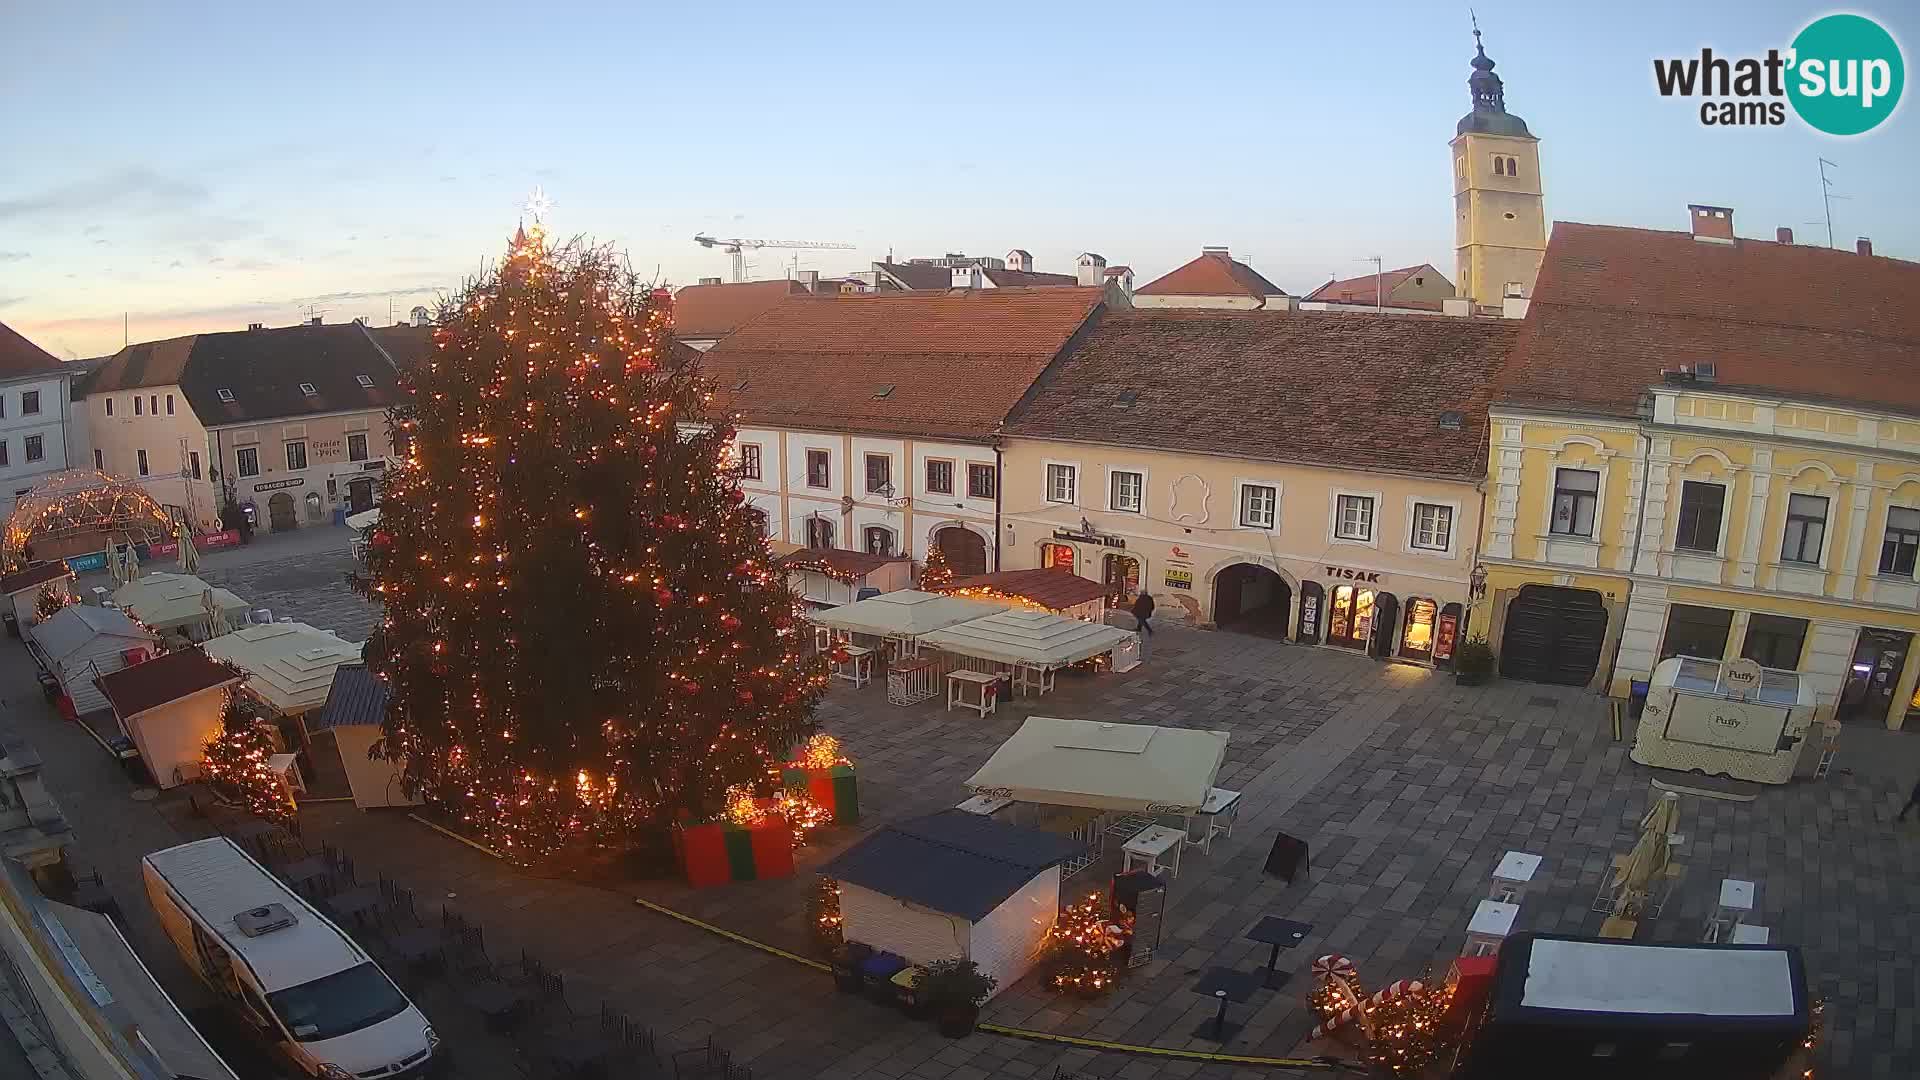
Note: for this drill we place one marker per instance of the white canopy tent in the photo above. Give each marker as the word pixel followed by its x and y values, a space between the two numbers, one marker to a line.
pixel 1032 643
pixel 1131 768
pixel 169 601
pixel 365 519
pixel 908 614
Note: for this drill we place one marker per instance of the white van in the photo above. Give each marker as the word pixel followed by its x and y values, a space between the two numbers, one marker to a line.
pixel 288 971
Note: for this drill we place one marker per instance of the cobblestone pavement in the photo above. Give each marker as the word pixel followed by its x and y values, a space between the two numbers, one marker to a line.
pixel 1407 787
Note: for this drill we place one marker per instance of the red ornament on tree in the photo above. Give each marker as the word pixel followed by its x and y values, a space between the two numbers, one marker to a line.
pixel 690 687
pixel 730 621
pixel 663 596
pixel 382 539
pixel 745 696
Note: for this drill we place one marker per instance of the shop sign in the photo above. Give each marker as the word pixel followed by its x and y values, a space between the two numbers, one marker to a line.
pixel 1090 537
pixel 1371 577
pixel 1741 678
pixel 1178 552
pixel 276 485
pixel 213 541
pixel 374 466
pixel 81 564
pixel 1310 617
pixel 163 550
pixel 1443 638
pixel 1179 579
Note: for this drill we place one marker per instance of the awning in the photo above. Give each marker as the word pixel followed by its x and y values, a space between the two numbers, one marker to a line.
pixel 1055 589
pixel 1129 767
pixel 907 613
pixel 1034 638
pixel 164 601
pixel 365 519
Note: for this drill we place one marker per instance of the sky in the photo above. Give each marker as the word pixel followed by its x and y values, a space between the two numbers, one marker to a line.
pixel 196 166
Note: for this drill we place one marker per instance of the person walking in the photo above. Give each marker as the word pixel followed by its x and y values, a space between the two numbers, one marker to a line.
pixel 1913 800
pixel 1143 611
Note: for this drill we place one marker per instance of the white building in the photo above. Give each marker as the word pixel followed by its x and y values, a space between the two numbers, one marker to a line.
pixel 34 390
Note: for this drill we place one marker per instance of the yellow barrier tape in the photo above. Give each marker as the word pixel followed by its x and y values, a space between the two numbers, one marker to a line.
pixel 730 935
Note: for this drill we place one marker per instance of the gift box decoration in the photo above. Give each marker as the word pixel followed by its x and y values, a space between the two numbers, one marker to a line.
pixel 721 851
pixel 835 788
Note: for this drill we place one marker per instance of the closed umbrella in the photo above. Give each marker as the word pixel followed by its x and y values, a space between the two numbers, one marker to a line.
pixel 189 555
pixel 1646 865
pixel 133 562
pixel 114 565
pixel 217 624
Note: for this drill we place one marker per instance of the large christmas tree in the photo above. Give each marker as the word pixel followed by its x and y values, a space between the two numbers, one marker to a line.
pixel 583 634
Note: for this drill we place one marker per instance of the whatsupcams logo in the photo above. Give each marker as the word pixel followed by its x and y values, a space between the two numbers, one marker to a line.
pixel 1842 75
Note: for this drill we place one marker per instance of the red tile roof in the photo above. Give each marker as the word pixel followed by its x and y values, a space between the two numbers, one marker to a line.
pixel 146 363
pixel 924 364
pixel 18 356
pixel 1304 387
pixel 1010 279
pixel 1052 588
pixel 918 275
pixel 149 685
pixel 1359 290
pixel 33 576
pixel 714 311
pixel 1613 306
pixel 836 561
pixel 1214 273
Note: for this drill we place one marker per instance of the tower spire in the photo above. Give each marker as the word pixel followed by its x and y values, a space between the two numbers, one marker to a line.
pixel 1483 85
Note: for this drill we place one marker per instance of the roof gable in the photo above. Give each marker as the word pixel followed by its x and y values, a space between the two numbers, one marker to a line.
pixel 714 311
pixel 1360 290
pixel 1214 273
pixel 163 679
pixel 143 364
pixel 951 861
pixel 1614 306
pixel 357 697
pixel 18 356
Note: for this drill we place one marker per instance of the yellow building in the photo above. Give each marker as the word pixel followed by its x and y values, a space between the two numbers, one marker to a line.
pixel 1710 446
pixel 1308 476
pixel 1500 224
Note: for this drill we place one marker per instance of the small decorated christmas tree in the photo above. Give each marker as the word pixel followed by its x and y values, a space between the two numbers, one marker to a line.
pixel 1082 950
pixel 49 602
pixel 236 763
pixel 937 572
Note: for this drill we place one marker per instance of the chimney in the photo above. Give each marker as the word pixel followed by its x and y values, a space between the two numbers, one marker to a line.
pixel 1783 234
pixel 808 279
pixel 315 321
pixel 1020 259
pixel 1712 224
pixel 966 277
pixel 256 326
pixel 1220 251
pixel 709 281
pixel 1863 246
pixel 1457 306
pixel 1092 269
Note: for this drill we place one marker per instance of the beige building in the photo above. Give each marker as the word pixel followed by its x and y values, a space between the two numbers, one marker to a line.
pixel 290 422
pixel 1307 476
pixel 1500 222
pixel 1213 280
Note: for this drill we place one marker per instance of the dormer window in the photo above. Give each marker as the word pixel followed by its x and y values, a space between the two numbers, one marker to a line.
pixel 307 389
pixel 226 396
pixel 364 380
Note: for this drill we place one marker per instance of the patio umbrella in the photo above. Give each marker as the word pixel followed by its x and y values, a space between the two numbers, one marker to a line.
pixel 189 555
pixel 133 562
pixel 114 566
pixel 216 616
pixel 1646 865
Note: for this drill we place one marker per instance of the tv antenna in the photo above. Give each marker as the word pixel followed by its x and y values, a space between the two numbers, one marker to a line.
pixel 1827 195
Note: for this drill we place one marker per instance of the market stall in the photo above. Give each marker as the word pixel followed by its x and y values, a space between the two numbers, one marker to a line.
pixel 165 602
pixel 1060 592
pixel 1732 719
pixel 902 618
pixel 351 721
pixel 170 707
pixel 953 885
pixel 830 577
pixel 82 643
pixel 290 668
pixel 1029 645
pixel 22 589
pixel 1092 781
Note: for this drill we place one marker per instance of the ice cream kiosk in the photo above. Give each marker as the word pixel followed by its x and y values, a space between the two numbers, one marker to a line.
pixel 1732 718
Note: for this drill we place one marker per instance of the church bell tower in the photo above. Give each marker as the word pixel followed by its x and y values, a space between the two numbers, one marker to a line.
pixel 1500 224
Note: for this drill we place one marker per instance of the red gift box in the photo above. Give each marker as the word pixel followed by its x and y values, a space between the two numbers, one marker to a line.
pixel 720 852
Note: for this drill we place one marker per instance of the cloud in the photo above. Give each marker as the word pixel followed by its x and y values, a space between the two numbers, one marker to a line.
pixel 12 256
pixel 136 188
pixel 6 300
pixel 382 294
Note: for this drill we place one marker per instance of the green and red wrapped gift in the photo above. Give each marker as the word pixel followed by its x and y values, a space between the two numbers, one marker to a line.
pixel 834 788
pixel 721 851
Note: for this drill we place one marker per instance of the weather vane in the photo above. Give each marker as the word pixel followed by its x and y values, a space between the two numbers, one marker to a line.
pixel 538 204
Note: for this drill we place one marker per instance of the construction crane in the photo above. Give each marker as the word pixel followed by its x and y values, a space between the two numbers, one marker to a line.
pixel 737 248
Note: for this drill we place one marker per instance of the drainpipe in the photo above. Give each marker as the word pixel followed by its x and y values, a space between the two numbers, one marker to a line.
pixel 1639 528
pixel 999 483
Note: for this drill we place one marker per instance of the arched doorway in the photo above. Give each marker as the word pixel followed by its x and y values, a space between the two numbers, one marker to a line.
pixel 1251 599
pixel 1122 576
pixel 1350 612
pixel 1386 625
pixel 280 512
pixel 1553 635
pixel 1417 629
pixel 359 495
pixel 966 550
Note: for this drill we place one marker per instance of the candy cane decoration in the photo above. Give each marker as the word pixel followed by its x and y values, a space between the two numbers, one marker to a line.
pixel 1346 1016
pixel 1333 964
pixel 1339 972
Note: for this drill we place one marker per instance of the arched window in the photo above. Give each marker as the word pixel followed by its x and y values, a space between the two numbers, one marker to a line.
pixel 879 540
pixel 1499 165
pixel 819 532
pixel 1513 166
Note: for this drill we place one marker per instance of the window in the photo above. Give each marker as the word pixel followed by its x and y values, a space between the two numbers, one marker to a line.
pixel 140 459
pixel 1700 510
pixel 169 404
pixel 1259 505
pixel 879 540
pixel 36 448
pixel 1576 496
pixel 364 380
pixel 139 405
pixel 1126 491
pixel 3 453
pixel 153 404
pixel 337 1004
pixel 1432 526
pixel 1806 529
pixel 939 476
pixel 1774 641
pixel 3 404
pixel 225 396
pixel 1062 483
pixel 296 454
pixel 819 469
pixel 1499 165
pixel 307 389
pixel 750 461
pixel 819 532
pixel 193 463
pixel 357 446
pixel 99 458
pixel 1696 631
pixel 247 458
pixel 879 475
pixel 109 406
pixel 30 403
pixel 1056 557
pixel 980 481
pixel 1903 541
pixel 1353 517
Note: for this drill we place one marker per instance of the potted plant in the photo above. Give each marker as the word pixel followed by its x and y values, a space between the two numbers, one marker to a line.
pixel 1473 663
pixel 953 991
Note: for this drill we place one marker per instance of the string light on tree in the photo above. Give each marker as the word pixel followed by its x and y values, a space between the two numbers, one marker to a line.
pixel 237 762
pixel 1082 950
pixel 938 571
pixel 584 634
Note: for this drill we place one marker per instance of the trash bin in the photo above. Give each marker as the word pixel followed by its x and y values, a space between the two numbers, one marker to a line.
pixel 1636 697
pixel 13 624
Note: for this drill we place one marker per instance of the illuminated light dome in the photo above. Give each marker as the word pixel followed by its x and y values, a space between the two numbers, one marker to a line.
pixel 77 511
